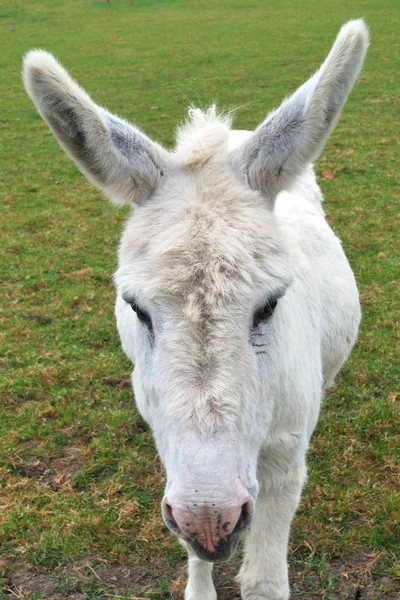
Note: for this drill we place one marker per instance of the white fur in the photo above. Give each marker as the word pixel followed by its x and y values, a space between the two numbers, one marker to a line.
pixel 221 225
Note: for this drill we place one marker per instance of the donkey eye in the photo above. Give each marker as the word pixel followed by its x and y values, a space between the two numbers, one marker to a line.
pixel 263 314
pixel 142 315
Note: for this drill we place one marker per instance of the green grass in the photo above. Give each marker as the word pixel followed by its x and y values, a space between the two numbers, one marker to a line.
pixel 80 483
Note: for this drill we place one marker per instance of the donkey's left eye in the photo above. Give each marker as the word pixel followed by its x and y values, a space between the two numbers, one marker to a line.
pixel 263 314
pixel 142 315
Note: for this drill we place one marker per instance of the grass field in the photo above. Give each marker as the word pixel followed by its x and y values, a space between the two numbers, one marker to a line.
pixel 80 482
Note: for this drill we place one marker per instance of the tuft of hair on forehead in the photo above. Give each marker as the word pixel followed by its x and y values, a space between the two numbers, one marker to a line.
pixel 202 136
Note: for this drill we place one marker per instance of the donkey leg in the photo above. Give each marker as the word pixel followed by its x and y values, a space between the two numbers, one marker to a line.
pixel 264 572
pixel 200 585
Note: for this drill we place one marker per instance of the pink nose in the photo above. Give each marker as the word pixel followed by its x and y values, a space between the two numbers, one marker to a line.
pixel 212 529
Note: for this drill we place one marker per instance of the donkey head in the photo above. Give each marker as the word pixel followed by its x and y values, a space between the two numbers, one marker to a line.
pixel 203 275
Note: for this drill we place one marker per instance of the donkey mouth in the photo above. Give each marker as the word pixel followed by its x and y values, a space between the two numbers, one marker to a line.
pixel 225 547
pixel 224 550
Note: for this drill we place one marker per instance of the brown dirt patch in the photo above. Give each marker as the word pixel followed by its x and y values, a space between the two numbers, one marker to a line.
pixel 353 578
pixel 358 577
pixel 115 578
pixel 25 581
pixel 52 472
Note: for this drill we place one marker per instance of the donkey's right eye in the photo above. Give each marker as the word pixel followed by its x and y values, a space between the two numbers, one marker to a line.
pixel 142 315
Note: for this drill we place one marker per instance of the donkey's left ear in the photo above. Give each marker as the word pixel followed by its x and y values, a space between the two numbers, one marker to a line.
pixel 114 155
pixel 294 134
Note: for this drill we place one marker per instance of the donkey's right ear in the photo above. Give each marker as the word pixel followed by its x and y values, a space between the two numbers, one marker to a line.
pixel 114 155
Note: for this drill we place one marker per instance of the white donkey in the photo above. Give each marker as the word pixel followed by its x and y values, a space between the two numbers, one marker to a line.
pixel 235 302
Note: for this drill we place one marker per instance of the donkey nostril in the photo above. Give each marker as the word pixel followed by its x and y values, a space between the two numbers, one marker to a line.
pixel 246 514
pixel 168 515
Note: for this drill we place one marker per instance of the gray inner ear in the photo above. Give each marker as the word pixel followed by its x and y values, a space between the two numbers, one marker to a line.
pixel 58 110
pixel 67 125
pixel 121 139
pixel 128 145
pixel 280 135
pixel 263 159
pixel 111 153
pixel 123 145
pixel 294 134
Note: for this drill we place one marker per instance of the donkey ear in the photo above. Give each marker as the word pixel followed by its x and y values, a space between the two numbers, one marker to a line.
pixel 113 154
pixel 294 134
